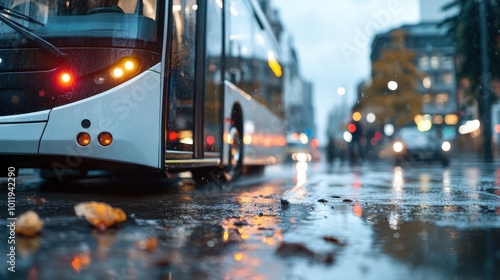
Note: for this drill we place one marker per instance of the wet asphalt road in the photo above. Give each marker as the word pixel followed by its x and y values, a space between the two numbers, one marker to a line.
pixel 368 221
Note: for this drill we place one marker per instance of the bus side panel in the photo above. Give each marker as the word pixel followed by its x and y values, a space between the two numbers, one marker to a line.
pixel 263 132
pixel 131 112
pixel 20 138
pixel 20 134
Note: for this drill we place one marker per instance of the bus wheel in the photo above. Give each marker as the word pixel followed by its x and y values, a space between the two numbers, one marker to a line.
pixel 254 169
pixel 235 153
pixel 58 177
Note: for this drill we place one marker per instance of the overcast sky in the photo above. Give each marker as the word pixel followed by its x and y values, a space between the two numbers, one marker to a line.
pixel 333 40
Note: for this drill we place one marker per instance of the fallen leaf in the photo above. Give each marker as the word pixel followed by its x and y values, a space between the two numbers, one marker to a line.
pixel 29 224
pixel 264 228
pixel 289 249
pixel 81 261
pixel 334 240
pixel 323 200
pixel 36 200
pixel 150 244
pixel 346 200
pixel 284 202
pixel 100 215
pixel 297 249
pixel 241 223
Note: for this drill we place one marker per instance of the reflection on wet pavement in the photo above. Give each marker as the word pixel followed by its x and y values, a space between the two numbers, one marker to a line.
pixel 434 222
pixel 368 221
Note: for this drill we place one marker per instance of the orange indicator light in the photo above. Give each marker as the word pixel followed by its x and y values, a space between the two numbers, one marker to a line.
pixel 83 139
pixel 105 138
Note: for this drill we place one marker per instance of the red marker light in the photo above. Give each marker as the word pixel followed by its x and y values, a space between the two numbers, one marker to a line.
pixel 65 79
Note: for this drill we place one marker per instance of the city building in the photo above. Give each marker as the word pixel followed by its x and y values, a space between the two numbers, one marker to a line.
pixel 434 58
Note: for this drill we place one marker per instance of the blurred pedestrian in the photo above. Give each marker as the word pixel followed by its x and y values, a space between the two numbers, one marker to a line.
pixel 356 146
pixel 330 150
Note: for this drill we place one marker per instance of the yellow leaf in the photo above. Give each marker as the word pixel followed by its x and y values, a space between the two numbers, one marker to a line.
pixel 100 215
pixel 29 224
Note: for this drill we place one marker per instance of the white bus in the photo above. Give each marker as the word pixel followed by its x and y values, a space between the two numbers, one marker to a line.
pixel 159 84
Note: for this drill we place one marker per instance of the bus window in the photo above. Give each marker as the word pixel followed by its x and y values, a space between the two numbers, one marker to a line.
pixel 253 57
pixel 240 48
pixel 182 76
pixel 213 77
pixel 269 70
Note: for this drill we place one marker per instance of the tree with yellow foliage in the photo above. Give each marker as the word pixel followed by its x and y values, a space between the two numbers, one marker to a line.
pixel 392 95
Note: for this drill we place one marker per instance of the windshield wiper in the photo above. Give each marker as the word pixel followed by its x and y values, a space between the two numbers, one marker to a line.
pixel 16 14
pixel 24 30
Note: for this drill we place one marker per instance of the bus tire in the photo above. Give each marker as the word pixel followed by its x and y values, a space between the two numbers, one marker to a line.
pixel 254 169
pixel 51 176
pixel 205 175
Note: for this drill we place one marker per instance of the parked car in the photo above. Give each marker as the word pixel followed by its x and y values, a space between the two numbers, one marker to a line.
pixel 411 144
pixel 298 151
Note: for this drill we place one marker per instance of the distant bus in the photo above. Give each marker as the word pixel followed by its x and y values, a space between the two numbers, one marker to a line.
pixel 164 85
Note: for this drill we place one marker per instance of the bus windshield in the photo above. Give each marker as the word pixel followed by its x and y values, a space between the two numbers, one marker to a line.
pixel 77 23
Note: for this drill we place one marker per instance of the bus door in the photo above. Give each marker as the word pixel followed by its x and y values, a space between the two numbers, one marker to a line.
pixel 194 111
pixel 213 79
pixel 194 126
pixel 182 81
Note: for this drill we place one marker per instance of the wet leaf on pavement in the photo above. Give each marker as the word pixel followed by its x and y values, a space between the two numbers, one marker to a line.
pixel 240 223
pixel 150 244
pixel 100 215
pixel 36 200
pixel 286 249
pixel 322 200
pixel 333 240
pixel 29 224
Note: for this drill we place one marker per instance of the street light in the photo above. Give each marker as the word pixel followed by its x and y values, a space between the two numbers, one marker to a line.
pixel 392 85
pixel 356 116
pixel 389 129
pixel 371 118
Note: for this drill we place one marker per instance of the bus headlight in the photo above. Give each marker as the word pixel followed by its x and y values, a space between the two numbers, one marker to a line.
pixel 125 67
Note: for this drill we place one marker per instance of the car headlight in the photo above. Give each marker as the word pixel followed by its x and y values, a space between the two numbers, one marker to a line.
pixel 303 157
pixel 446 146
pixel 397 147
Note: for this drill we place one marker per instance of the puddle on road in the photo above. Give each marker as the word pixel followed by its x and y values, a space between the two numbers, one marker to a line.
pixel 419 223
